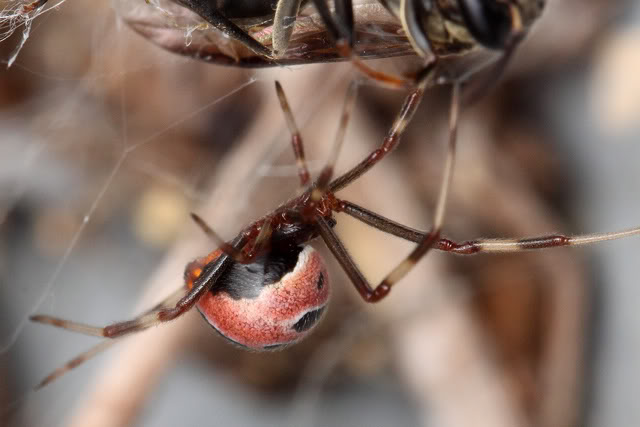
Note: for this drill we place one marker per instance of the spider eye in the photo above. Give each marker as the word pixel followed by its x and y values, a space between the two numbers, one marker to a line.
pixel 488 21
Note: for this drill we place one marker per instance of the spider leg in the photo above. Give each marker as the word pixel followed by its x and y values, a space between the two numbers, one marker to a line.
pixel 411 103
pixel 283 24
pixel 100 331
pixel 472 247
pixel 237 254
pixel 260 242
pixel 322 182
pixel 206 9
pixel 172 307
pixel 94 331
pixel 447 175
pixel 374 294
pixel 296 138
pixel 228 249
pixel 75 362
pixel 381 223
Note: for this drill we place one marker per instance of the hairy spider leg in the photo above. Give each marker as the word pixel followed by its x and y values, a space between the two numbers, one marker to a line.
pixel 75 362
pixel 472 247
pixel 220 243
pixel 389 143
pixel 170 301
pixel 296 138
pixel 320 186
pixel 172 307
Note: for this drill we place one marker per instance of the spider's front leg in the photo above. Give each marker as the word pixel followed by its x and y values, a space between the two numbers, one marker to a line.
pixel 427 240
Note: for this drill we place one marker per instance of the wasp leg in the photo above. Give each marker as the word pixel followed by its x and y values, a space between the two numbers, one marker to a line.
pixel 284 22
pixel 208 12
pixel 498 29
pixel 410 11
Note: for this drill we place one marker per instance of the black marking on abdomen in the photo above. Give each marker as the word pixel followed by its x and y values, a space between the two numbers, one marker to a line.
pixel 272 347
pixel 307 321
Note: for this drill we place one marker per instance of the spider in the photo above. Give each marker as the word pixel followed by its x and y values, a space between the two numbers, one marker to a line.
pixel 267 287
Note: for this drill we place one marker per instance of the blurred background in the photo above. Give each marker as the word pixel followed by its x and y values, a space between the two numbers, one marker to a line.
pixel 108 142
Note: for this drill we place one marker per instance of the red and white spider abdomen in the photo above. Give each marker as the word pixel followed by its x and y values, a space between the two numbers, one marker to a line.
pixel 272 302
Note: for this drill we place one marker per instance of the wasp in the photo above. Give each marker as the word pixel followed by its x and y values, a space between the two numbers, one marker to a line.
pixel 258 33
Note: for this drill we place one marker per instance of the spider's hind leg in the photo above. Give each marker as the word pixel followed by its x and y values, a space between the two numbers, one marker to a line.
pixel 141 322
pixel 176 304
pixel 75 362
